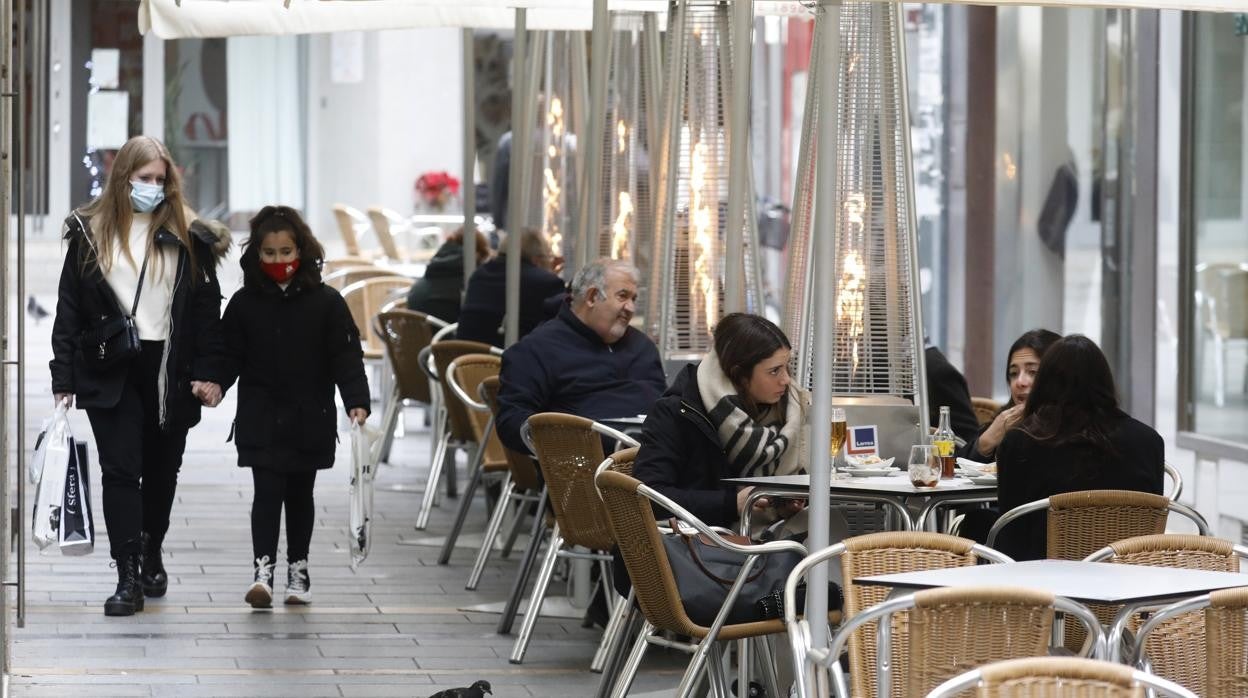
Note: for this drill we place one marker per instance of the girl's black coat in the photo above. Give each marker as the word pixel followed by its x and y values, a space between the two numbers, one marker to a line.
pixel 85 300
pixel 288 349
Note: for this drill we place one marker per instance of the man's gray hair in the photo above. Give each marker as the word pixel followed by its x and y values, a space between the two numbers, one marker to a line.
pixel 594 275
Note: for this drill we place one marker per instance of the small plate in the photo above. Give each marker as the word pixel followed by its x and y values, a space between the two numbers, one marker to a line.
pixel 983 479
pixel 975 468
pixel 878 465
pixel 872 472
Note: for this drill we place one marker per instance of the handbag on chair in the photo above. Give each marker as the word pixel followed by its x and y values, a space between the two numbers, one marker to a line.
pixel 705 572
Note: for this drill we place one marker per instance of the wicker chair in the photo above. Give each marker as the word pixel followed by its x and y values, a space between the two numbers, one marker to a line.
pixel 865 556
pixel 569 449
pixel 404 335
pixel 464 377
pixel 329 266
pixel 386 223
pixel 524 486
pixel 1080 523
pixel 949 631
pixel 351 224
pixel 986 409
pixel 457 424
pixel 344 277
pixel 1067 677
pixel 628 504
pixel 364 300
pixel 1176 647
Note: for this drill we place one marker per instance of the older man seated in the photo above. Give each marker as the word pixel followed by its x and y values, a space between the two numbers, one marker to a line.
pixel 586 361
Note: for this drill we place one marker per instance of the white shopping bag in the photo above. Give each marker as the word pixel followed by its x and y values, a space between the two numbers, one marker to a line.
pixel 56 453
pixel 365 442
pixel 54 428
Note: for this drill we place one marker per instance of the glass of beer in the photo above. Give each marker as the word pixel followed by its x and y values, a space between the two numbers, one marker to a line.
pixel 923 466
pixel 837 440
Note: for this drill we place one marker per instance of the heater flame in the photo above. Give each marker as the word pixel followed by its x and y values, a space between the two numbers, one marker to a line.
pixel 701 234
pixel 551 191
pixel 852 285
pixel 619 230
pixel 621 136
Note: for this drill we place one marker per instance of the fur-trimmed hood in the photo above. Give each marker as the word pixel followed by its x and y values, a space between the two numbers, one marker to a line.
pixel 215 234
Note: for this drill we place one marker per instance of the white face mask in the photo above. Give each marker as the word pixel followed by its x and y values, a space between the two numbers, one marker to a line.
pixel 145 197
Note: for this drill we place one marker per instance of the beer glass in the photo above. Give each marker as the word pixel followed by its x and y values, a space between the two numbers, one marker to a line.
pixel 837 440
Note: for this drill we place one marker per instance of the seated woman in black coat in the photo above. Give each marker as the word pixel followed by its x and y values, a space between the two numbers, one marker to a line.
pixel 736 414
pixel 437 293
pixel 1073 437
pixel 1021 364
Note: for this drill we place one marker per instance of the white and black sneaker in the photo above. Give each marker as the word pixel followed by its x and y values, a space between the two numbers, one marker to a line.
pixel 298 583
pixel 260 595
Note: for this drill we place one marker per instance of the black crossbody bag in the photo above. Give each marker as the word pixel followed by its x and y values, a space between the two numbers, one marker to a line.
pixel 117 340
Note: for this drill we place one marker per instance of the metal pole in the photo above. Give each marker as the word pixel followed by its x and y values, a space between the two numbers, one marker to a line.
pixel 740 22
pixel 468 174
pixel 912 222
pixel 515 207
pixel 6 207
pixel 21 142
pixel 594 161
pixel 824 317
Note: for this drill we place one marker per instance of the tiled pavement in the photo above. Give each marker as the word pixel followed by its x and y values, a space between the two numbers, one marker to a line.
pixel 390 628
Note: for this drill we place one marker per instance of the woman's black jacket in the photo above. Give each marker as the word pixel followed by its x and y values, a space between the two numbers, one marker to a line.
pixel 681 457
pixel 86 301
pixel 288 349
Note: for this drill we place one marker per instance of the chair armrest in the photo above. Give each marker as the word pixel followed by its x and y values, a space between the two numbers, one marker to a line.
pixel 685 517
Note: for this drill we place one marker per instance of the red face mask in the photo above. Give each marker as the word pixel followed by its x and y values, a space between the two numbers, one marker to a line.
pixel 280 271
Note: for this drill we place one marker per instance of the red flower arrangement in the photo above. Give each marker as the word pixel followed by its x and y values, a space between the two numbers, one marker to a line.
pixel 436 189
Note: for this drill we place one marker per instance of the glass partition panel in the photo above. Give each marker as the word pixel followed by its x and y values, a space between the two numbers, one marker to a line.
pixel 1219 263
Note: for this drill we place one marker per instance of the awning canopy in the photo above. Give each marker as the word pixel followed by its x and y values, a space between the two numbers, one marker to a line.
pixel 217 18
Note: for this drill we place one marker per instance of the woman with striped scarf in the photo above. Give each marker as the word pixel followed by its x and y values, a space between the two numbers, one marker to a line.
pixel 735 414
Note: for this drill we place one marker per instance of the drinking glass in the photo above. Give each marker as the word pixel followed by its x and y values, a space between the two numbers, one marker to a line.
pixel 837 440
pixel 923 466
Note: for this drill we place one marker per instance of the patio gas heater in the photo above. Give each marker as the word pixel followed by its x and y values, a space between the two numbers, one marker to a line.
pixel 560 78
pixel 624 228
pixel 877 368
pixel 691 278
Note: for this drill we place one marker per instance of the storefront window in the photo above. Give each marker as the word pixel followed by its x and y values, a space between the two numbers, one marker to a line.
pixel 1219 261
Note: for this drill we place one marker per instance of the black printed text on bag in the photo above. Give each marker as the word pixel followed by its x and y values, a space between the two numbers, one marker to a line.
pixel 116 340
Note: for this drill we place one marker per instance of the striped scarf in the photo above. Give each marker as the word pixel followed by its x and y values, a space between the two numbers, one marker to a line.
pixel 774 443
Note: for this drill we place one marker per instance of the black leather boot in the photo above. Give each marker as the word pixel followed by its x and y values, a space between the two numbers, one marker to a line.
pixel 155 581
pixel 129 595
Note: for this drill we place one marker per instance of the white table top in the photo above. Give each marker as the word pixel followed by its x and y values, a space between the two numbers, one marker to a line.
pixel 1098 582
pixel 889 485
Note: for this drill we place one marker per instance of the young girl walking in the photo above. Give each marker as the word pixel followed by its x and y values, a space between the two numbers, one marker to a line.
pixel 289 340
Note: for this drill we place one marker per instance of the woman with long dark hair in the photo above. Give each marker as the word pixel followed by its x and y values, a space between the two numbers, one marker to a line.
pixel 1021 364
pixel 1073 437
pixel 134 253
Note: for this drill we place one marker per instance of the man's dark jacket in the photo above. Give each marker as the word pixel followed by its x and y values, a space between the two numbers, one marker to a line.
pixel 681 456
pixel 485 301
pixel 947 386
pixel 564 366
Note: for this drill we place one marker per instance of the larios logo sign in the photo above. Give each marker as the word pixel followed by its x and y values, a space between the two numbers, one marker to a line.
pixel 862 441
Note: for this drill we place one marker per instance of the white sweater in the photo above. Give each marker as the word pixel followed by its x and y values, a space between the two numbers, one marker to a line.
pixel 156 301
